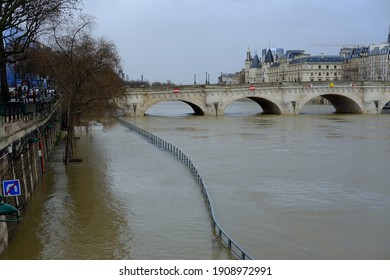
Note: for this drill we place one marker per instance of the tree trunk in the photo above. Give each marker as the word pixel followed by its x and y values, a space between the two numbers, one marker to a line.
pixel 69 146
pixel 4 94
pixel 69 139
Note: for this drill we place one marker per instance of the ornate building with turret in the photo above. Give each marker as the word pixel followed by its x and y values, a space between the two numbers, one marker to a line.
pixel 294 66
pixel 253 68
pixel 366 63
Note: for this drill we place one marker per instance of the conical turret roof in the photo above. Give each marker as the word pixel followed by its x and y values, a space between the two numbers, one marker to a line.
pixel 256 62
pixel 269 58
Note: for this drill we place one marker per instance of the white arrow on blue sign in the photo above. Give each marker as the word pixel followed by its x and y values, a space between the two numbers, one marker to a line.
pixel 11 188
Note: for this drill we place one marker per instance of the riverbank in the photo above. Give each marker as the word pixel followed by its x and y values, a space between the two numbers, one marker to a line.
pixel 24 156
pixel 126 200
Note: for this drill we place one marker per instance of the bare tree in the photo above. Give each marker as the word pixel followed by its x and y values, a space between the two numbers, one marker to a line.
pixel 20 23
pixel 85 71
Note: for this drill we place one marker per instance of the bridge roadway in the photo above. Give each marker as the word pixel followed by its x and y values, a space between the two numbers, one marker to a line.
pixel 285 98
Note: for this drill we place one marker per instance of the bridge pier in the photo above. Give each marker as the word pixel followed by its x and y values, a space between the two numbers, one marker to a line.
pixel 373 99
pixel 290 108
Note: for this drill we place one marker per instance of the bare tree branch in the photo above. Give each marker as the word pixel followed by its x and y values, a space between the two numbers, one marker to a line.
pixel 21 21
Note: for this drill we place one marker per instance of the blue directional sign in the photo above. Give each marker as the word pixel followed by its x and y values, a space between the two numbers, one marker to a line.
pixel 11 188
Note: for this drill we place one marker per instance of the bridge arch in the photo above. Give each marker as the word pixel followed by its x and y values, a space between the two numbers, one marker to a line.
pixel 383 104
pixel 267 105
pixel 196 105
pixel 341 102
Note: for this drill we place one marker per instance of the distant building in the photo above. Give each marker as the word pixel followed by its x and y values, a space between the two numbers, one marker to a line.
pixel 363 63
pixel 255 69
pixel 293 54
pixel 277 53
pixel 231 79
pixel 378 62
pixel 370 63
pixel 294 66
pixel 269 57
pixel 346 52
pixel 248 64
pixel 307 69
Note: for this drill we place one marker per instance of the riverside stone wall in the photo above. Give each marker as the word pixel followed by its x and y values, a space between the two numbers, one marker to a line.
pixel 25 159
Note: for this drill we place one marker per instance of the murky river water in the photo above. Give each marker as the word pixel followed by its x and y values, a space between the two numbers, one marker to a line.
pixel 313 186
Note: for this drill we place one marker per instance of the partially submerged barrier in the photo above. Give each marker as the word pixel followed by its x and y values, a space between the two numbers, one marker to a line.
pixel 168 147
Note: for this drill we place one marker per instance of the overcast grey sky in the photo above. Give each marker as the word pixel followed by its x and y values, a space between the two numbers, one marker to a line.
pixel 175 39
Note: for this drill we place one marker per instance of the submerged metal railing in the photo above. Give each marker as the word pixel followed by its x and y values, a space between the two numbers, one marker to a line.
pixel 168 147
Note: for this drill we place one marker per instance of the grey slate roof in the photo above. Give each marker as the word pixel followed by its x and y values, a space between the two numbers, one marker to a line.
pixel 291 54
pixel 269 58
pixel 319 59
pixel 256 62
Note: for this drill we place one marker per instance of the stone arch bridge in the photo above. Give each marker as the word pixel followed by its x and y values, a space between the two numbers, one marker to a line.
pixel 364 98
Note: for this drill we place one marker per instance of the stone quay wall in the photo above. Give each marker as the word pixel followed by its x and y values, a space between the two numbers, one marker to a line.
pixel 24 149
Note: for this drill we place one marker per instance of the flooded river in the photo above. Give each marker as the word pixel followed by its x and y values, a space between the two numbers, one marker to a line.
pixel 312 186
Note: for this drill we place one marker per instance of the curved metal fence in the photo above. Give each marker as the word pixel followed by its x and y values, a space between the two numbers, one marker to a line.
pixel 170 148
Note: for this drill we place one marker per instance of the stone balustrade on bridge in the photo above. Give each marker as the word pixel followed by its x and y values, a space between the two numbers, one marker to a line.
pixel 285 98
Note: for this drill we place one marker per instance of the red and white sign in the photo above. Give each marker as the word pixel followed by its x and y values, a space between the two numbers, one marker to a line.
pixel 176 90
pixel 252 88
